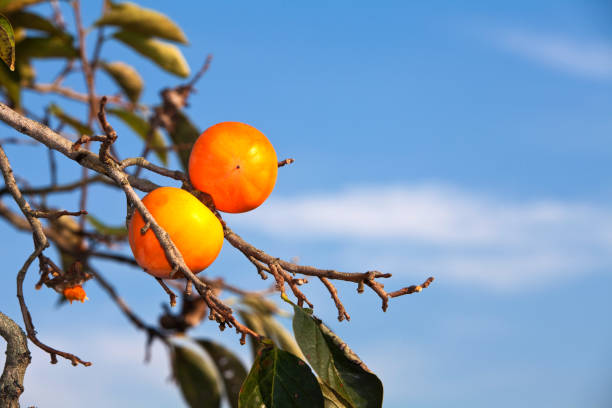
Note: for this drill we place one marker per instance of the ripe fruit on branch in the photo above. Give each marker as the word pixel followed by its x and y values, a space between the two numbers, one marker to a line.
pixel 75 293
pixel 234 163
pixel 194 229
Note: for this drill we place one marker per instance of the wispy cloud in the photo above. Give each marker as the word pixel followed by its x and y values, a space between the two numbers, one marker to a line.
pixel 585 58
pixel 438 229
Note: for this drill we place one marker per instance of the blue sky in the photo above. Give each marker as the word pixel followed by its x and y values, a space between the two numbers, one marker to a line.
pixel 467 142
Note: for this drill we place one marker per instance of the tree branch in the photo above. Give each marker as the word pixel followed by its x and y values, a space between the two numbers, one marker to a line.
pixel 17 361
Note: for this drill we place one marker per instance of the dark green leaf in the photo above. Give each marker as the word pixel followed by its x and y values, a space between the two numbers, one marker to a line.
pixel 280 379
pixel 104 229
pixel 335 363
pixel 141 127
pixel 229 366
pixel 7 42
pixel 71 121
pixel 33 21
pixel 127 78
pixel 132 17
pixel 183 135
pixel 9 6
pixel 10 82
pixel 46 47
pixel 25 71
pixel 165 55
pixel 196 378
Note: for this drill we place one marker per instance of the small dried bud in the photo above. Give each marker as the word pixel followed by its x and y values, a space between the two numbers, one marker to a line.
pixel 75 293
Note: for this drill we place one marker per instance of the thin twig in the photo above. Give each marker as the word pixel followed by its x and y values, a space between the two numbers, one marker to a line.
pixel 169 291
pixel 342 314
pixel 285 162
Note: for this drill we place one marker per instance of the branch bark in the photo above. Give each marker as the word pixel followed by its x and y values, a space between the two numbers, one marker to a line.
pixel 17 361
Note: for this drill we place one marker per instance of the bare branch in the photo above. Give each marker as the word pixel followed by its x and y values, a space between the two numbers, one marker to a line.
pixel 55 214
pixel 342 314
pixel 27 318
pixel 60 188
pixel 285 162
pixel 17 360
pixel 57 142
pixel 201 72
pixel 258 257
pixel 144 163
pixel 168 291
pixel 72 94
pixel 40 239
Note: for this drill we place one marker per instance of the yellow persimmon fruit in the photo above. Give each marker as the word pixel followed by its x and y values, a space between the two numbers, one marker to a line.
pixel 194 229
pixel 236 164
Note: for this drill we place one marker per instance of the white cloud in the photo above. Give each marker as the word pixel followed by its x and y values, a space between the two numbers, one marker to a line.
pixel 588 59
pixel 443 231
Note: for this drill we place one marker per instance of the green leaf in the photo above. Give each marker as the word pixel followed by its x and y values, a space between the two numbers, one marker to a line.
pixel 104 229
pixel 25 71
pixel 229 366
pixel 196 378
pixel 166 56
pixel 128 79
pixel 183 135
pixel 71 121
pixel 335 363
pixel 280 379
pixel 34 21
pixel 47 47
pixel 132 17
pixel 142 128
pixel 9 6
pixel 7 42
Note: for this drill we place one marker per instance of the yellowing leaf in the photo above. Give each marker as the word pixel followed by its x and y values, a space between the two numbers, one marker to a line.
pixel 7 42
pixel 126 77
pixel 166 56
pixel 132 17
pixel 10 6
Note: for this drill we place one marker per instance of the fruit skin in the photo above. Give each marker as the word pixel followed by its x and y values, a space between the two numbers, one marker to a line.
pixel 75 293
pixel 236 164
pixel 194 229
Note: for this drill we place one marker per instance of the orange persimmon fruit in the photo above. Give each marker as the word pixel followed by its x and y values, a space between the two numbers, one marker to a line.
pixel 235 164
pixel 75 293
pixel 194 229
